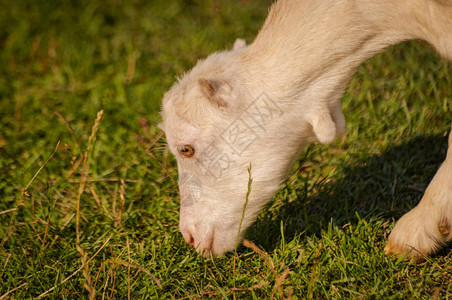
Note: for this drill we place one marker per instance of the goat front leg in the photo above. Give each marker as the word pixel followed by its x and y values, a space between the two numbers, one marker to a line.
pixel 428 227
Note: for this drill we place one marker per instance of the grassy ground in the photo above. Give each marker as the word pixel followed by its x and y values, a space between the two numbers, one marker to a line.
pixel 88 205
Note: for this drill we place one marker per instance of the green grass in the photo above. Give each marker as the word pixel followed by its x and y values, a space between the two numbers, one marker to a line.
pixel 99 216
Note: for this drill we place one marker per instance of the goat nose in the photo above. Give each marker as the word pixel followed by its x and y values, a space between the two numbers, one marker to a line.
pixel 188 237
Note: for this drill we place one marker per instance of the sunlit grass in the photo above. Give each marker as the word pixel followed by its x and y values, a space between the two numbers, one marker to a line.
pixel 100 218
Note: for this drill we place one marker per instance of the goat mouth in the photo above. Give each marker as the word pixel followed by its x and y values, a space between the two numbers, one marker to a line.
pixel 210 242
pixel 209 245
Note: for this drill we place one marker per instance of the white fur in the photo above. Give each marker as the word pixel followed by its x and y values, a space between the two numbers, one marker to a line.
pixel 428 226
pixel 295 73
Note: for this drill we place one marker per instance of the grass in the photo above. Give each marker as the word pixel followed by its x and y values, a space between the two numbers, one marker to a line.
pixel 89 208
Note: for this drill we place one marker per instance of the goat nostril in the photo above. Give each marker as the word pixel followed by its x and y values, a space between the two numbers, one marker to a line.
pixel 189 239
pixel 187 234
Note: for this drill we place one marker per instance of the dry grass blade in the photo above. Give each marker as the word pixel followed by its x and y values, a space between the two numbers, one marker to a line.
pixel 78 270
pixel 5 264
pixel 248 192
pixel 74 136
pixel 279 280
pixel 85 170
pixel 262 254
pixel 5 295
pixel 7 211
pixel 122 202
pixel 128 269
pixel 105 180
pixel 313 273
pixel 130 265
pixel 24 191
pixel 131 64
pixel 89 282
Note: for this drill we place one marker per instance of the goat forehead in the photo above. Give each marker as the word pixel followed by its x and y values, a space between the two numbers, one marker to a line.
pixel 179 131
pixel 189 106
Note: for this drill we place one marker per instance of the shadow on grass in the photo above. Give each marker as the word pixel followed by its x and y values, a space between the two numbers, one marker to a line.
pixel 382 186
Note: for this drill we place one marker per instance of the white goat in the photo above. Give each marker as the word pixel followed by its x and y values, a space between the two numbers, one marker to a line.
pixel 261 104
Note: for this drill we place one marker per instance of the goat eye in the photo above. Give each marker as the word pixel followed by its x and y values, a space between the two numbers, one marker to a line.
pixel 186 151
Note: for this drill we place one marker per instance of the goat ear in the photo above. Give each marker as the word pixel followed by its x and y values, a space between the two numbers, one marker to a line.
pixel 329 124
pixel 238 44
pixel 216 90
